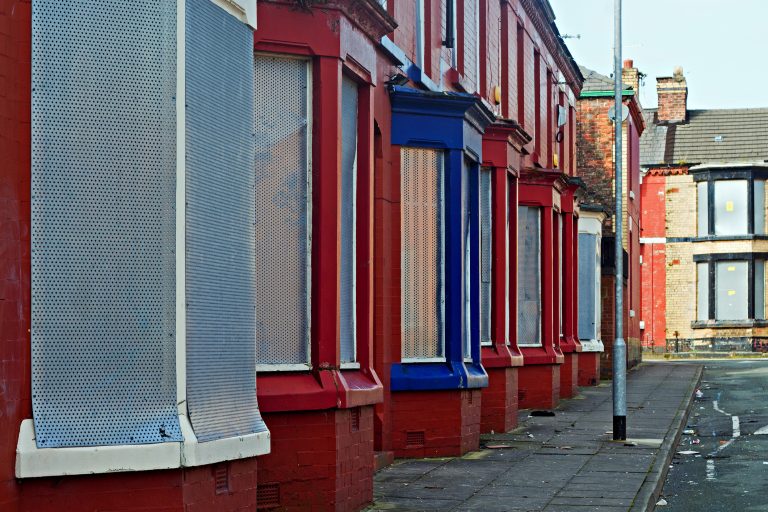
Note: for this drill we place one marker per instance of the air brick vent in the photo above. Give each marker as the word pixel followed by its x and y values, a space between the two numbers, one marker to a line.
pixel 221 478
pixel 414 438
pixel 267 496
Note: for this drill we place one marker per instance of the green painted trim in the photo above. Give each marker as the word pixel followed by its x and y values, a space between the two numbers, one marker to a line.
pixel 602 94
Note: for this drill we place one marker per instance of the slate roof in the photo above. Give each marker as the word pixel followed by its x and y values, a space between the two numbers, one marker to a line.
pixel 594 81
pixel 707 136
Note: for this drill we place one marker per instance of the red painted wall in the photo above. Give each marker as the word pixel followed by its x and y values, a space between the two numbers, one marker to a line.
pixel 15 400
pixel 654 297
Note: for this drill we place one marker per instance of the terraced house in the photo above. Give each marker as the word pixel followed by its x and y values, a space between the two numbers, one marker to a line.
pixel 703 224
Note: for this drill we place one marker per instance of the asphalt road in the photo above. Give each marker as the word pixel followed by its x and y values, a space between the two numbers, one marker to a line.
pixel 729 424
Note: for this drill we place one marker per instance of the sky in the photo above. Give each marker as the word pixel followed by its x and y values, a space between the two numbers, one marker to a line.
pixel 722 45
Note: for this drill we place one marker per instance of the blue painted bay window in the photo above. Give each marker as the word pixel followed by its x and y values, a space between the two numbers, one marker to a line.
pixel 440 139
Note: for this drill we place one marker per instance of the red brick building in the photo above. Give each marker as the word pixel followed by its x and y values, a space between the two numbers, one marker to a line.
pixel 596 167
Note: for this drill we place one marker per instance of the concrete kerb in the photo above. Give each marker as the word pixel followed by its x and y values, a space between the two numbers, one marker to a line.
pixel 651 489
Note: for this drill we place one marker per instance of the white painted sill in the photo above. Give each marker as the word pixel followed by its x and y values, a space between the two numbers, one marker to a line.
pixel 32 461
pixel 592 346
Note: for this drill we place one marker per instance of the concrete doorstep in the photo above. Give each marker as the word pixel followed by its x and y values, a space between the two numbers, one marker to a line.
pixel 567 462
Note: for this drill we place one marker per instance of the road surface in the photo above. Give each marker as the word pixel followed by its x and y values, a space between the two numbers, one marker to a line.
pixel 722 460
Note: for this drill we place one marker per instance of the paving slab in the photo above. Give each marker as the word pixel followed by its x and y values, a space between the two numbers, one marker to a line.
pixel 566 462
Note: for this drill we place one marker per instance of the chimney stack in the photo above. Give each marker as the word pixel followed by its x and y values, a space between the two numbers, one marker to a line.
pixel 673 97
pixel 631 76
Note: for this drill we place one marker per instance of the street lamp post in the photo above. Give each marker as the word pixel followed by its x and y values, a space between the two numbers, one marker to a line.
pixel 619 346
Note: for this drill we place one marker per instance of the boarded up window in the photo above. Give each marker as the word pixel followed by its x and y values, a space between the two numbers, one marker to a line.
pixel 529 276
pixel 731 207
pixel 731 290
pixel 348 207
pixel 702 212
pixel 283 223
pixel 589 289
pixel 486 248
pixel 220 214
pixel 103 262
pixel 422 253
pixel 702 296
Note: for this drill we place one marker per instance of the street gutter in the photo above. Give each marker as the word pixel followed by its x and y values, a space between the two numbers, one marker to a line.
pixel 650 491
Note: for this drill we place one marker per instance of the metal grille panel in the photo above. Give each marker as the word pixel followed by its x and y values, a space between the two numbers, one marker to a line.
pixel 220 215
pixel 529 276
pixel 348 202
pixel 282 209
pixel 422 253
pixel 103 263
pixel 486 249
pixel 588 292
pixel 466 219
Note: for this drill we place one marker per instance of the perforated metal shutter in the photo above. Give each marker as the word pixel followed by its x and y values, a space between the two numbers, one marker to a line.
pixel 560 273
pixel 422 253
pixel 103 263
pixel 348 207
pixel 507 285
pixel 587 292
pixel 283 217
pixel 486 223
pixel 529 276
pixel 466 219
pixel 220 257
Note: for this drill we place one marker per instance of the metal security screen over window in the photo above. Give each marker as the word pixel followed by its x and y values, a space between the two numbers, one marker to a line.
pixel 220 256
pixel 467 277
pixel 511 207
pixel 348 191
pixel 731 290
pixel 588 291
pixel 103 163
pixel 422 253
pixel 702 288
pixel 486 223
pixel 731 207
pixel 702 211
pixel 529 276
pixel 282 106
pixel 560 267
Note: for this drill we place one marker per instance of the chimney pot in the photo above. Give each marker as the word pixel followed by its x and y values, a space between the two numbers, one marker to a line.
pixel 629 64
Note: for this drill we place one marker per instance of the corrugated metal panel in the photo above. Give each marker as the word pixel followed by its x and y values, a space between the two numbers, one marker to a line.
pixel 348 202
pixel 220 215
pixel 486 249
pixel 507 293
pixel 422 253
pixel 283 218
pixel 587 292
pixel 529 276
pixel 103 263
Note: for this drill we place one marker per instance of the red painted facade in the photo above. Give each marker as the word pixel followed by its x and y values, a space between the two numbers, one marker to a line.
pixel 327 423
pixel 654 300
pixel 321 421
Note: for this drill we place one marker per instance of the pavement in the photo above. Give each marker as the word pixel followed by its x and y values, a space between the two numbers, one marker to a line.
pixel 721 463
pixel 565 462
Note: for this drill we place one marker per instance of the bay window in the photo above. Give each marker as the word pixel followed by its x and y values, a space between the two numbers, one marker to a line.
pixel 730 202
pixel 529 276
pixel 730 287
pixel 142 241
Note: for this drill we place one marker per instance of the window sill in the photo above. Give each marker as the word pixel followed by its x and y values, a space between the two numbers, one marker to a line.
pixel 728 324
pixel 437 376
pixel 592 346
pixel 32 462
pixel 726 238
